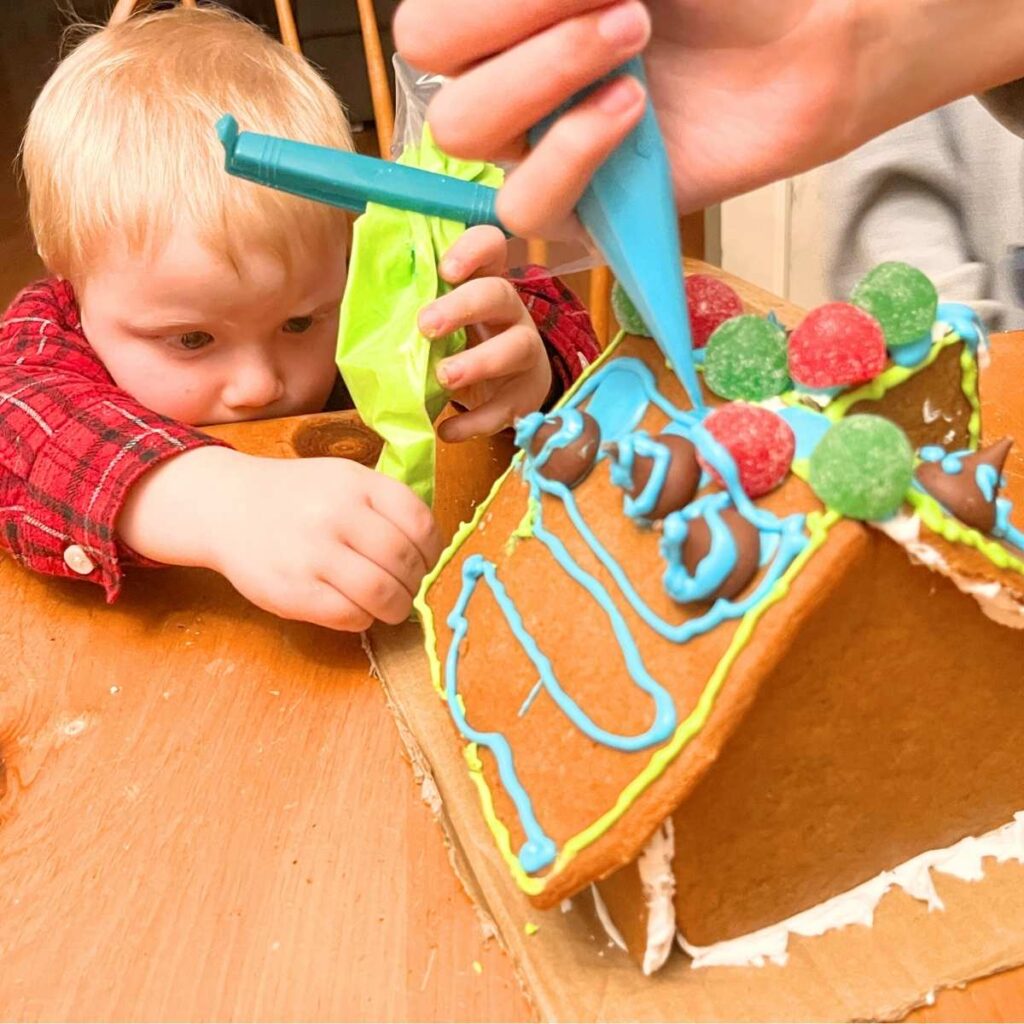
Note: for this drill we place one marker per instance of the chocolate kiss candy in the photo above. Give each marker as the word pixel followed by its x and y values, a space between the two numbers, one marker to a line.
pixel 747 540
pixel 571 464
pixel 681 479
pixel 960 493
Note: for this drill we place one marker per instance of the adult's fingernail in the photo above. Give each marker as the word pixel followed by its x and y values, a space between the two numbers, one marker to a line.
pixel 431 323
pixel 620 95
pixel 627 25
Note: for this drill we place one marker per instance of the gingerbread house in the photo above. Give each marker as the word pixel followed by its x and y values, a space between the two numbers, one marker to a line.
pixel 705 661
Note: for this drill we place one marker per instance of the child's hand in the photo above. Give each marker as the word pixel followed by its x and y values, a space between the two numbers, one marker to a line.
pixel 324 540
pixel 505 373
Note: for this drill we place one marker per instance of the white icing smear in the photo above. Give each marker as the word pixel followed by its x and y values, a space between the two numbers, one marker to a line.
pixel 992 597
pixel 659 885
pixel 606 919
pixel 963 860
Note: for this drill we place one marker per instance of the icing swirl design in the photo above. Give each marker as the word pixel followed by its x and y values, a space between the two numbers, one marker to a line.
pixel 613 389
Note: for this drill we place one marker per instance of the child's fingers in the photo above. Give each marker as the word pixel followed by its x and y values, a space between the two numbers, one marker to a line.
pixel 383 543
pixel 479 252
pixel 499 412
pixel 321 604
pixel 511 352
pixel 486 300
pixel 397 504
pixel 367 585
pixel 541 193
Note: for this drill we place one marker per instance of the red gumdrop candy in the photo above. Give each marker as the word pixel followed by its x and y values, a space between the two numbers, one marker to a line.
pixel 836 345
pixel 711 302
pixel 760 442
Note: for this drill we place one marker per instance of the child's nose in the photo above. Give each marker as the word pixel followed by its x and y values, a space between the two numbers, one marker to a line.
pixel 254 384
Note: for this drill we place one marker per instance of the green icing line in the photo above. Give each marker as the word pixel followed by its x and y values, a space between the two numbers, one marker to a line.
pixel 885 381
pixel 939 521
pixel 524 531
pixel 818 525
pixel 969 383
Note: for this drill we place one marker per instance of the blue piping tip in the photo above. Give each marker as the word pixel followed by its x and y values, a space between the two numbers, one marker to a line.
pixel 227 130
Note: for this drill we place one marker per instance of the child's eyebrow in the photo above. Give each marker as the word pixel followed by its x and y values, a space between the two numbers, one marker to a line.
pixel 165 326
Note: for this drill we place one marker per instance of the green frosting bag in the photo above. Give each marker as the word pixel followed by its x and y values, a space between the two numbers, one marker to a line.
pixel 388 366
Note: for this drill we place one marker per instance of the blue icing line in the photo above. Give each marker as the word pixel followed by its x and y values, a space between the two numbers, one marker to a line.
pixel 913 353
pixel 1004 529
pixel 642 444
pixel 714 567
pixel 808 427
pixel 932 453
pixel 539 849
pixel 631 389
pixel 964 321
pixel 621 403
pixel 951 464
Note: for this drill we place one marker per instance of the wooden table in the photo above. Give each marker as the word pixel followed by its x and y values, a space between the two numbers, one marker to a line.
pixel 205 813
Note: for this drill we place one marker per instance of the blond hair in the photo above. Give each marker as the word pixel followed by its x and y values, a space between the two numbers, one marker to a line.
pixel 121 147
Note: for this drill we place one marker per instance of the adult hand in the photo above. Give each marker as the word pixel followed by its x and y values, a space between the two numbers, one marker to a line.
pixel 743 96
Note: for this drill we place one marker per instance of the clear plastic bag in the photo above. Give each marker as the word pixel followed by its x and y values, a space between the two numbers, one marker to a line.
pixel 413 92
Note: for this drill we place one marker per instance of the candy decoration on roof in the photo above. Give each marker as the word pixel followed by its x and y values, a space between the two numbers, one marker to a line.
pixel 862 467
pixel 626 313
pixel 901 299
pixel 761 443
pixel 966 484
pixel 660 474
pixel 745 358
pixel 711 302
pixel 835 346
pixel 572 457
pixel 746 543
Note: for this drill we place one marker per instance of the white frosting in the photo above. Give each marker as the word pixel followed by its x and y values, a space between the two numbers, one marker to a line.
pixel 963 860
pixel 606 919
pixel 659 885
pixel 991 596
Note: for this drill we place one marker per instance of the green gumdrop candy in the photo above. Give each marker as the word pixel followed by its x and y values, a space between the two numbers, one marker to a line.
pixel 901 299
pixel 625 312
pixel 862 467
pixel 746 359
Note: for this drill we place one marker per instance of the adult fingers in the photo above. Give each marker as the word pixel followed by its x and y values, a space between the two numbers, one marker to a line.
pixel 540 194
pixel 447 36
pixel 481 112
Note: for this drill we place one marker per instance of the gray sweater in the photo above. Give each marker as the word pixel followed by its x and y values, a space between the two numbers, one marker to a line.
pixel 944 192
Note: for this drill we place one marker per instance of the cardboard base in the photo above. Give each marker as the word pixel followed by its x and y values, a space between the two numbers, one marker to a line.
pixel 572 973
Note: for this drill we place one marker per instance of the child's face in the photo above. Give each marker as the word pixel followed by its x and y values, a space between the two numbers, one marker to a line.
pixel 194 338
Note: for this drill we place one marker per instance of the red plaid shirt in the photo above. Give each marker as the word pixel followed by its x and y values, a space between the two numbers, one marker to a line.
pixel 72 443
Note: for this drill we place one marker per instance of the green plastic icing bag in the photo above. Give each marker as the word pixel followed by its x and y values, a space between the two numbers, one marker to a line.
pixel 388 366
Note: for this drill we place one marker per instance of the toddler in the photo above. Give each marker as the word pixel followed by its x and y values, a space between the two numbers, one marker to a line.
pixel 181 296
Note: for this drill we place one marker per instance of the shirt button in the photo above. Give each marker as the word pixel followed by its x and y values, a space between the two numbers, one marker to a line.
pixel 78 561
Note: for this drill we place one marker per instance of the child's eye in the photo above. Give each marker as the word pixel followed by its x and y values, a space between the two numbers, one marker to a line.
pixel 193 340
pixel 298 324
